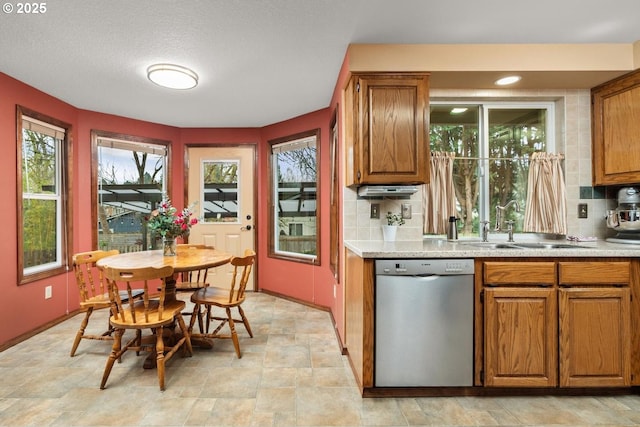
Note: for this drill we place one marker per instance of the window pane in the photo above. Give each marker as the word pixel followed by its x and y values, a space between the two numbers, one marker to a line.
pixel 514 135
pixel 39 222
pixel 455 128
pixel 130 184
pixel 491 167
pixel 38 163
pixel 294 172
pixel 221 191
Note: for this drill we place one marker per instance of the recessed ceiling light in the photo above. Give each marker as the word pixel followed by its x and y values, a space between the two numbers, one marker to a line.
pixel 458 110
pixel 509 80
pixel 172 76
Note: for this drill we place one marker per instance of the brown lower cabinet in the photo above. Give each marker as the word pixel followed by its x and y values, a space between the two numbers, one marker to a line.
pixel 595 343
pixel 521 332
pixel 539 323
pixel 549 324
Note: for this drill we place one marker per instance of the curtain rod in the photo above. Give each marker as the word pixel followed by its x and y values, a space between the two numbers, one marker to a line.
pixel 494 158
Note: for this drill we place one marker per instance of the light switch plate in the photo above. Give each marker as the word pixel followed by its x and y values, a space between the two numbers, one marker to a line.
pixel 406 210
pixel 375 211
pixel 583 211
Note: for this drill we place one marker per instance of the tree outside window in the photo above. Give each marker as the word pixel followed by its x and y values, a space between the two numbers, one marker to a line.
pixel 493 144
pixel 43 188
pixel 130 182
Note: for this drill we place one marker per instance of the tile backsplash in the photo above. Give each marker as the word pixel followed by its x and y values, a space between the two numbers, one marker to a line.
pixel 573 138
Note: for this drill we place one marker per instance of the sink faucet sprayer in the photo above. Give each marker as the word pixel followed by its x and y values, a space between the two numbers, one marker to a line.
pixel 499 210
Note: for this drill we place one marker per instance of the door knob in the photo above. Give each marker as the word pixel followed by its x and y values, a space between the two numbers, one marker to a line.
pixel 246 228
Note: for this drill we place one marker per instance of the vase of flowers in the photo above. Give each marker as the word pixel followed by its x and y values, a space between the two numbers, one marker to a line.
pixel 169 245
pixel 170 224
pixel 390 229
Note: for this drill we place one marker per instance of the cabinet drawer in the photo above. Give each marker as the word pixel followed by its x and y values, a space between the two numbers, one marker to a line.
pixel 595 272
pixel 505 273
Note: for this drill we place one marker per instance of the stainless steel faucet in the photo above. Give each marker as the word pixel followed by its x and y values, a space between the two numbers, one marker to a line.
pixel 485 230
pixel 499 210
pixel 510 229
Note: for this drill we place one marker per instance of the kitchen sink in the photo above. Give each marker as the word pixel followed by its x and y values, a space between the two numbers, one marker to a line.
pixel 548 245
pixel 524 245
pixel 492 245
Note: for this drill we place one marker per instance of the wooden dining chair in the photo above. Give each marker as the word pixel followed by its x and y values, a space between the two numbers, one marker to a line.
pixel 93 293
pixel 192 280
pixel 147 313
pixel 212 297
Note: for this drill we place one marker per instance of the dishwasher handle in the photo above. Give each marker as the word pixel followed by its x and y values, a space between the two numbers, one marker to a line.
pixel 426 277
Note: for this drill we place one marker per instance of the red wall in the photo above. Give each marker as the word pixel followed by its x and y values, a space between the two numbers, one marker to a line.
pixel 23 308
pixel 303 281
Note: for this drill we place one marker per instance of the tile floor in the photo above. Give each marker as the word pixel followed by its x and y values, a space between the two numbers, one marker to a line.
pixel 291 374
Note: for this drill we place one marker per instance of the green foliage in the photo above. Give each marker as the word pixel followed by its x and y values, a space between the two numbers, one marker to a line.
pixel 514 135
pixel 39 219
pixel 394 219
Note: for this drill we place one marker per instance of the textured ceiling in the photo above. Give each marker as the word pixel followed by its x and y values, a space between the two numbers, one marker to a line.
pixel 261 61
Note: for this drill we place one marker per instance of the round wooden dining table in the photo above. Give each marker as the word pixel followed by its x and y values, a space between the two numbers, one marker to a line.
pixel 186 259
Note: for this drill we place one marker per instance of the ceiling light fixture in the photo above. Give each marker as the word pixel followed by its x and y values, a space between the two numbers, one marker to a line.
pixel 458 110
pixel 172 76
pixel 509 80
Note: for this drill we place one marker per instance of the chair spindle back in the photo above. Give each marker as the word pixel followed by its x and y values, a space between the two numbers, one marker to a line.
pixel 89 279
pixel 130 310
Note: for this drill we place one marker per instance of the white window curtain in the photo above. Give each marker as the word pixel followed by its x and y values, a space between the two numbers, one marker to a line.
pixel 438 197
pixel 546 207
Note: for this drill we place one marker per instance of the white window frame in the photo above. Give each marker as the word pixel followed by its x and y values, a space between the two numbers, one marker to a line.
pixel 59 131
pixel 130 143
pixel 484 208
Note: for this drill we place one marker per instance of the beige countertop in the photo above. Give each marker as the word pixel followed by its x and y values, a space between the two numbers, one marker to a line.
pixel 441 248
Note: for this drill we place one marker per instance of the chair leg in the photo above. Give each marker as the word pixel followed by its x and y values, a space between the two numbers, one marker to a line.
pixel 200 321
pixel 234 335
pixel 192 321
pixel 245 321
pixel 208 318
pixel 186 333
pixel 116 353
pixel 160 357
pixel 80 332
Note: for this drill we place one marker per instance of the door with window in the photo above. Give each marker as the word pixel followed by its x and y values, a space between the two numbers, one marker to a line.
pixel 221 188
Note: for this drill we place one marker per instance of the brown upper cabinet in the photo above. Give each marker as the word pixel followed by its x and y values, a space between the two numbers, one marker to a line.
pixel 386 128
pixel 616 131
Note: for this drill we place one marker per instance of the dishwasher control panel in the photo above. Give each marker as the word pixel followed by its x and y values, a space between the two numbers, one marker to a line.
pixel 421 267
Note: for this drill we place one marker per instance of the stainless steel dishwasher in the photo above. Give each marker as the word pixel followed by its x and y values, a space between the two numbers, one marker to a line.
pixel 424 323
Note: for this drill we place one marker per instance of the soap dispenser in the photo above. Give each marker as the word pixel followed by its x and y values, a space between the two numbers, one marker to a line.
pixel 452 230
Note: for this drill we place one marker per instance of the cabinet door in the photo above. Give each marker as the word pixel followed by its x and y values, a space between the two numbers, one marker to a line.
pixel 392 130
pixel 520 337
pixel 595 337
pixel 616 131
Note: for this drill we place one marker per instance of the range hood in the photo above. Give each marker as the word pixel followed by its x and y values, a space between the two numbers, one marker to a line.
pixel 387 190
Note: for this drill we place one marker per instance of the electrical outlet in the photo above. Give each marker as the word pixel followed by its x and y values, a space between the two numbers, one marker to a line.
pixel 582 210
pixel 375 211
pixel 406 210
pixel 48 291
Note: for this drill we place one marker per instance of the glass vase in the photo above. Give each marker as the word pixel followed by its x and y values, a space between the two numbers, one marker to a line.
pixel 169 246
